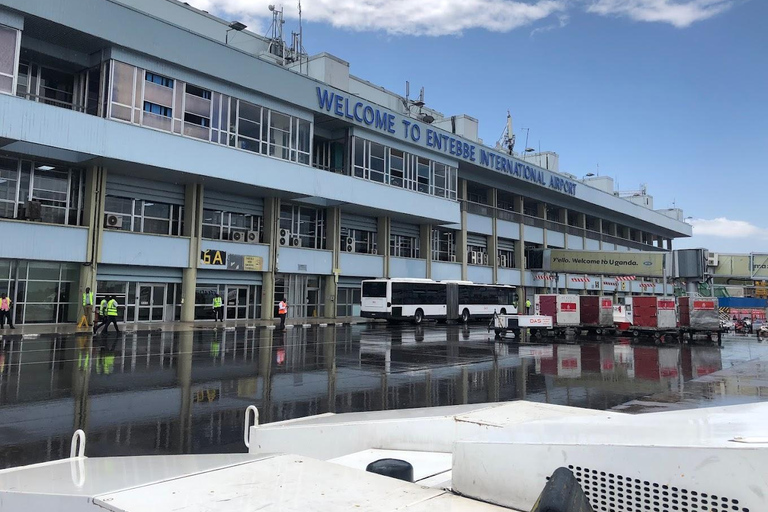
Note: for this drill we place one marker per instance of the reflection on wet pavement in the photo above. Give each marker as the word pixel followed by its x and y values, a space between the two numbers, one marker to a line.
pixel 156 392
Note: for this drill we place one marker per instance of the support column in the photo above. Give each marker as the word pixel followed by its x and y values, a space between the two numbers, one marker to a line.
pixel 93 215
pixel 184 378
pixel 565 235
pixel 425 249
pixel 668 243
pixel 461 236
pixel 193 219
pixel 271 235
pixel 493 253
pixel 542 212
pixel 333 243
pixel 520 254
pixel 383 233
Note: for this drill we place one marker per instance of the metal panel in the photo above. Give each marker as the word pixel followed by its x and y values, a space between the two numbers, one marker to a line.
pixel 479 224
pixel 443 271
pixel 205 276
pixel 403 229
pixel 507 229
pixel 226 202
pixel 533 234
pixel 554 239
pixel 477 240
pixel 360 222
pixel 478 274
pixel 407 267
pixel 304 261
pixel 138 274
pixel 137 188
pixel 363 265
pixel 505 245
pixel 124 248
pixel 46 242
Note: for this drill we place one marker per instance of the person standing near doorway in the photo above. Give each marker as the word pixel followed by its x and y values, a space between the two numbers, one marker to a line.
pixel 282 310
pixel 218 308
pixel 88 307
pixel 527 306
pixel 5 311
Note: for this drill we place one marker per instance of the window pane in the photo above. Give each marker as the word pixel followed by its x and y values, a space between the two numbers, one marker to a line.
pixel 42 291
pixel 39 271
pixel 7 51
pixel 159 210
pixel 160 227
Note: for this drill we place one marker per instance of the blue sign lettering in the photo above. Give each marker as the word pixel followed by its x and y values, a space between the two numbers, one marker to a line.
pixel 385 121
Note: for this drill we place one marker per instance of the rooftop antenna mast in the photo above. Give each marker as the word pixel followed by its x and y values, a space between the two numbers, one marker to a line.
pixel 276 43
pixel 507 139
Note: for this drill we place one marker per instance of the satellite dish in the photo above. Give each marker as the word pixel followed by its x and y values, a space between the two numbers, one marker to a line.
pixel 271 7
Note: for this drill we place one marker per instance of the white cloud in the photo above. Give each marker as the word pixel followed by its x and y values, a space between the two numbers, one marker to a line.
pixel 562 21
pixel 726 228
pixel 402 17
pixel 680 13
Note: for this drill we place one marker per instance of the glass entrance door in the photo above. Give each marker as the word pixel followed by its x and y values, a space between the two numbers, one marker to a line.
pixel 150 303
pixel 237 302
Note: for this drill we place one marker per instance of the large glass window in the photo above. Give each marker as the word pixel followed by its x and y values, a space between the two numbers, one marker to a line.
pixel 375 162
pixel 42 292
pixel 141 216
pixel 308 224
pixel 348 302
pixel 249 135
pixel 279 135
pixel 404 246
pixel 8 39
pixel 358 240
pixel 40 191
pixel 218 225
pixel 443 245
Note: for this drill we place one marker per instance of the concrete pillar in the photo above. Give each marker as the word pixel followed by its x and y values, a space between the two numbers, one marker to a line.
pixel 93 215
pixel 668 243
pixel 266 340
pixel 184 378
pixel 333 243
pixel 493 253
pixel 425 249
pixel 461 235
pixel 271 237
pixel 329 357
pixel 520 251
pixel 193 225
pixel 564 219
pixel 383 234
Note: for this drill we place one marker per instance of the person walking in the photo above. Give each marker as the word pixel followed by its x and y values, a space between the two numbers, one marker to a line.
pixel 88 307
pixel 218 308
pixel 110 316
pixel 102 316
pixel 5 311
pixel 282 310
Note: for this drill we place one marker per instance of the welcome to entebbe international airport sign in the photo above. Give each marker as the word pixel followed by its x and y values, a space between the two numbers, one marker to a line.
pixel 384 121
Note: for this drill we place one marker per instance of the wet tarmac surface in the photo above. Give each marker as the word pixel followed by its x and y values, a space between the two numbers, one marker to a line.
pixel 154 392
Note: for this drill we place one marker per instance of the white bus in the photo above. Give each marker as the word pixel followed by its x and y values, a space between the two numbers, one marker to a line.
pixel 420 299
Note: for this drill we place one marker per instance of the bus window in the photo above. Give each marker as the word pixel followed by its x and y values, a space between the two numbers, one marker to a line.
pixel 374 289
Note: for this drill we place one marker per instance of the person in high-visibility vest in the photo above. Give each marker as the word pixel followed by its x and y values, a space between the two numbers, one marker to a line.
pixel 282 310
pixel 102 315
pixel 88 306
pixel 218 308
pixel 111 314
pixel 527 306
pixel 5 311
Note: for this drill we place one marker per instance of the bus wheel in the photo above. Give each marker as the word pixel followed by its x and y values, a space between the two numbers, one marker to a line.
pixel 418 317
pixel 465 316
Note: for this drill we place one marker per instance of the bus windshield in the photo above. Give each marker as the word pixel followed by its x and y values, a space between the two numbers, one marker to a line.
pixel 375 289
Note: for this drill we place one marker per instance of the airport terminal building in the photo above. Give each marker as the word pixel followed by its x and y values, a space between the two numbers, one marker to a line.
pixel 154 152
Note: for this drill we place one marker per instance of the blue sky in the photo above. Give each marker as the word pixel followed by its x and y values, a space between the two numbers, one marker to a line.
pixel 670 93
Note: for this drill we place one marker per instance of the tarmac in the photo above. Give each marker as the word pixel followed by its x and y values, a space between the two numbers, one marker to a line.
pixel 71 328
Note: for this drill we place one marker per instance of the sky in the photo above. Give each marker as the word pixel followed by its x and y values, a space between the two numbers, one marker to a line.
pixel 672 94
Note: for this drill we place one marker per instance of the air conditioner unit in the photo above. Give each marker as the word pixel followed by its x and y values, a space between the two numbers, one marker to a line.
pixel 113 221
pixel 295 241
pixel 34 210
pixel 349 244
pixel 453 258
pixel 285 238
pixel 485 258
pixel 713 260
pixel 237 236
pixel 374 251
pixel 502 261
pixel 252 237
pixel 473 257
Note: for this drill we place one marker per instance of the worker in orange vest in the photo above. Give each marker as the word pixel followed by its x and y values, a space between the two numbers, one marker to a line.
pixel 282 310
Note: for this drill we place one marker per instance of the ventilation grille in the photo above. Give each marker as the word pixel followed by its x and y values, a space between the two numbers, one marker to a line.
pixel 608 492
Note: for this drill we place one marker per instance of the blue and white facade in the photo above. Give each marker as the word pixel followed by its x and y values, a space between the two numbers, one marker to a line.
pixel 148 151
